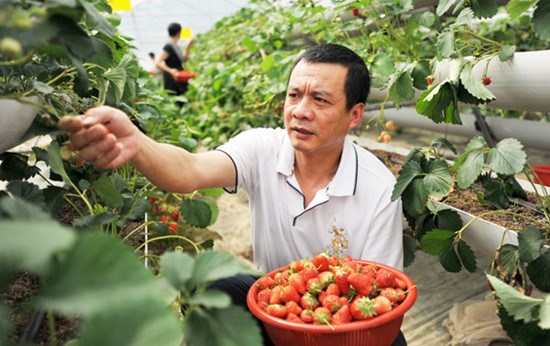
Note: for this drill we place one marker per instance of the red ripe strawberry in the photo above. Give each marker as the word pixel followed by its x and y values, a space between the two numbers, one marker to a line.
pixel 390 293
pixel 175 216
pixel 309 272
pixel 401 295
pixel 296 266
pixel 385 278
pixel 263 297
pixel 333 261
pixel 265 282
pixel 342 315
pixel 320 262
pixel 164 219
pixel 281 277
pixel 355 12
pixel 293 307
pixel 314 286
pixel 307 316
pixel 400 284
pixel 173 227
pixel 333 289
pixel 276 310
pixel 297 281
pixel 276 293
pixel 381 305
pixel 341 279
pixel 430 79
pixel 331 302
pixel 361 282
pixel 322 315
pixel 361 308
pixel 486 80
pixel 289 294
pixel 293 318
pixel 309 301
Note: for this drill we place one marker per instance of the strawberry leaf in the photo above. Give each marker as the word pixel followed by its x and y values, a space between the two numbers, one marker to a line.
pixel 231 326
pixel 409 171
pixel 446 42
pixel 444 142
pixel 509 259
pixel 495 194
pixel 470 169
pixel 506 52
pixel 448 219
pixel 443 6
pixel 215 265
pixel 196 212
pixel 467 256
pixel 438 242
pixel 450 261
pixel 437 181
pixel 474 85
pixel 523 334
pixel 541 20
pixel 383 64
pixel 419 73
pixel 211 299
pixel 484 8
pixel 415 197
pixel 108 192
pixel 404 85
pixel 516 8
pixel 438 103
pixel 530 241
pixel 521 307
pixel 409 249
pixel 176 267
pixel 508 157
pixel 538 272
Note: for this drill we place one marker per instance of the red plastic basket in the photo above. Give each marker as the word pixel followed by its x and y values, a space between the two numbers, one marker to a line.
pixel 379 331
pixel 184 76
pixel 543 173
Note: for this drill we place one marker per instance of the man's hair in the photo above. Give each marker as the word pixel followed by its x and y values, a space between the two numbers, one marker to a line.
pixel 357 84
pixel 174 29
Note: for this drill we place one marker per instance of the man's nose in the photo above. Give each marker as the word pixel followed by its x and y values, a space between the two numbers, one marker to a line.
pixel 303 108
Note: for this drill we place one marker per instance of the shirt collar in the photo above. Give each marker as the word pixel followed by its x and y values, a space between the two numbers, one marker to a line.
pixel 344 182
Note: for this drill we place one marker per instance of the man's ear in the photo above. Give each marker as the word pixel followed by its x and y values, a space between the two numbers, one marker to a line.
pixel 356 114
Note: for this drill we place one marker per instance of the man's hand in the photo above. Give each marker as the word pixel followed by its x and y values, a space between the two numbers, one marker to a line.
pixel 104 136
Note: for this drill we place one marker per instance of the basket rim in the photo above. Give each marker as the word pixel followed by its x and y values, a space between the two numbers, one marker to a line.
pixel 394 315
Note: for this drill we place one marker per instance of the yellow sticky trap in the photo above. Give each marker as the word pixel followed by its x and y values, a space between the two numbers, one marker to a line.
pixel 120 5
pixel 186 33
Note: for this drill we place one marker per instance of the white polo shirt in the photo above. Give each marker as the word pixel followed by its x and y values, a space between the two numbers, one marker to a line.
pixel 357 201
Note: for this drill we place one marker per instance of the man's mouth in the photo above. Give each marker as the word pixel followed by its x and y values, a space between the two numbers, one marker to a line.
pixel 301 130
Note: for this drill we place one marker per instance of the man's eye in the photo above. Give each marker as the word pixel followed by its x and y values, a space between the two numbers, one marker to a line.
pixel 318 99
pixel 292 95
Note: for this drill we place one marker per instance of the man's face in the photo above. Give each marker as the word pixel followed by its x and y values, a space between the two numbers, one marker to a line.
pixel 315 108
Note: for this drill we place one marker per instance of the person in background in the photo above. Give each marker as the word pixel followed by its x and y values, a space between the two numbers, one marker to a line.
pixel 151 65
pixel 170 60
pixel 302 180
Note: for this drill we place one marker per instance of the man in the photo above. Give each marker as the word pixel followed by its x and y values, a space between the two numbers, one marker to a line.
pixel 302 181
pixel 171 60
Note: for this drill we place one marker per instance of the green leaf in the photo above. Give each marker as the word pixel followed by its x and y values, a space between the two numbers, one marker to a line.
pixel 444 142
pixel 467 256
pixel 409 250
pixel 448 219
pixel 465 17
pixel 177 268
pixel 383 64
pixel 404 85
pixel 508 157
pixel 55 162
pixel 98 272
pixel 530 241
pixel 14 166
pixel 108 192
pixel 415 197
pixel 426 19
pixel 433 102
pixel 250 45
pixel 544 312
pixel 96 20
pixel 409 171
pixel 224 327
pixel 523 334
pixel 538 272
pixel 438 242
pixel 211 299
pixel 419 73
pixel 99 219
pixel 196 212
pixel 509 259
pixel 142 322
pixel 28 192
pixel 495 194
pixel 438 181
pixel 521 307
pixel 484 8
pixel 446 42
pixel 474 85
pixel 516 8
pixel 506 52
pixel 541 20
pixel 443 6
pixel 17 208
pixel 470 169
pixel 213 265
pixel 450 261
pixel 268 63
pixel 31 245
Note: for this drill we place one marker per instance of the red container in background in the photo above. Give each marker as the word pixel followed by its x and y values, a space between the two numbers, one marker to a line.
pixel 543 173
pixel 379 331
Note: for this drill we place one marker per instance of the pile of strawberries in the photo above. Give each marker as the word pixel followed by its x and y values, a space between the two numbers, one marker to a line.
pixel 330 290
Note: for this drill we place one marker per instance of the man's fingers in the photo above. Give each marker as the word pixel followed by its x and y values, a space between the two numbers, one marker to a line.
pixel 70 124
pixel 108 159
pixel 88 136
pixel 94 150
